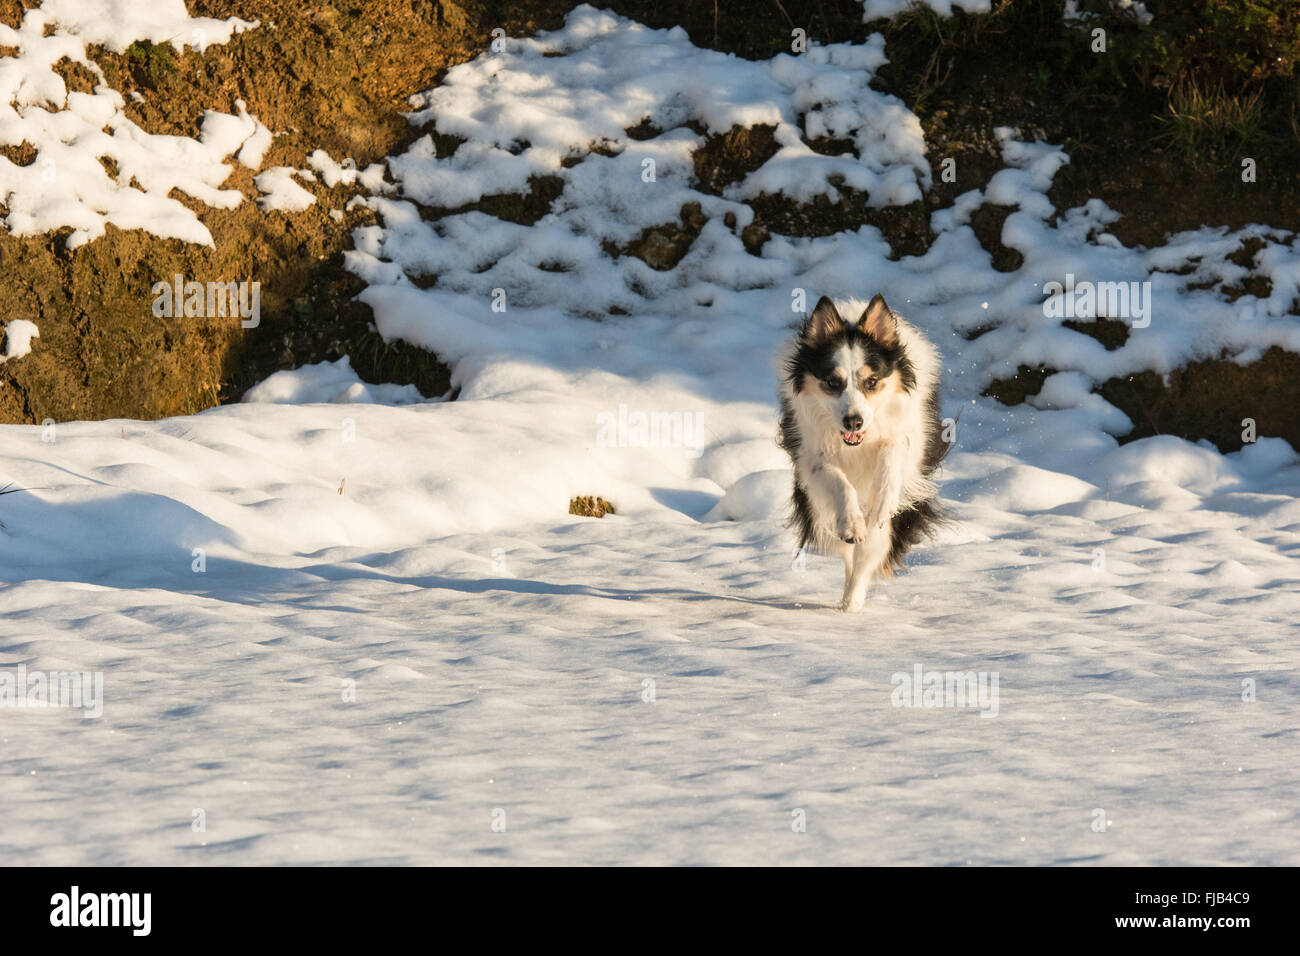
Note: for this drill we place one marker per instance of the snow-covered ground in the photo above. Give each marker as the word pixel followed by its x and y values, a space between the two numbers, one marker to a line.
pixel 337 624
pixel 506 668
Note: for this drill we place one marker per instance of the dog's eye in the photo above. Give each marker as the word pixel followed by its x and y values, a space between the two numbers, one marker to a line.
pixel 835 383
pixel 872 383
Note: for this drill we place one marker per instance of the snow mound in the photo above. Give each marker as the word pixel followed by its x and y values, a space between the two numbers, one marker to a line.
pixel 1232 573
pixel 758 496
pixel 18 338
pixel 116 24
pixel 280 192
pixel 334 382
pixel 1030 489
pixel 345 173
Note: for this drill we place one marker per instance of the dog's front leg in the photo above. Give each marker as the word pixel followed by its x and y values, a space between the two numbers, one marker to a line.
pixel 870 558
pixel 847 554
pixel 833 494
pixel 871 552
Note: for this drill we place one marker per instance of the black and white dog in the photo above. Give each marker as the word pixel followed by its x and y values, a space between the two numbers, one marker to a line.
pixel 860 421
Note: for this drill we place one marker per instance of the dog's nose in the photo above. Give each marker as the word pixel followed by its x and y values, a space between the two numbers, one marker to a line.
pixel 853 422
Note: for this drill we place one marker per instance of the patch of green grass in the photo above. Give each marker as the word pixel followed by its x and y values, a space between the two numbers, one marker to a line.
pixel 151 63
pixel 1203 121
pixel 1040 79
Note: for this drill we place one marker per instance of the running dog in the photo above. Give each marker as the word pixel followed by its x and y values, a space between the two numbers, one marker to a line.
pixel 860 421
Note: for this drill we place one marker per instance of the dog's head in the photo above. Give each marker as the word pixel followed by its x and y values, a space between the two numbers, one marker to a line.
pixel 854 365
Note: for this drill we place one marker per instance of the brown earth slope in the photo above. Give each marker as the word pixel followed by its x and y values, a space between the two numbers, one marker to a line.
pixel 335 76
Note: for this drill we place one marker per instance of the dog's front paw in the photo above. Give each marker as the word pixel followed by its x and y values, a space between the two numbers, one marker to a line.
pixel 850 604
pixel 852 528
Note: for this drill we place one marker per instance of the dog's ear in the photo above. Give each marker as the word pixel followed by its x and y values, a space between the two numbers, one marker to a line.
pixel 879 323
pixel 824 322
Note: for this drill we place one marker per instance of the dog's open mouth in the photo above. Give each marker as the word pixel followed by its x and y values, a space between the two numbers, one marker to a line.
pixel 852 438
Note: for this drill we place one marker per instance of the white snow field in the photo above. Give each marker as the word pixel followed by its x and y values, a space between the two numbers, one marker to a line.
pixel 338 624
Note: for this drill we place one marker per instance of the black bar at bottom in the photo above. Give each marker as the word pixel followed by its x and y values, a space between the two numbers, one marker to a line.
pixel 335 906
